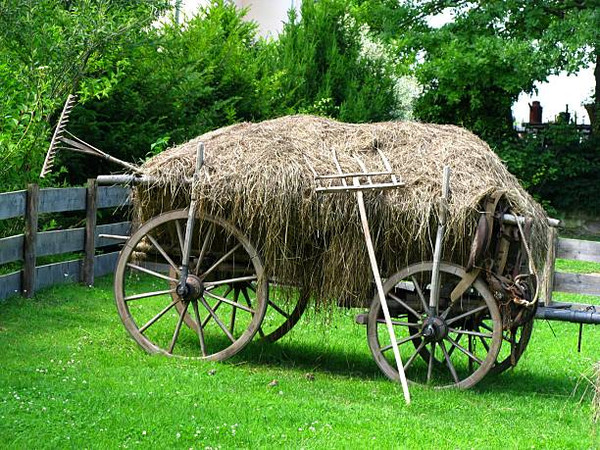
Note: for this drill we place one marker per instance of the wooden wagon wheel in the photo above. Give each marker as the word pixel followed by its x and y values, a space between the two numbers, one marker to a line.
pixel 286 305
pixel 443 349
pixel 221 321
pixel 512 347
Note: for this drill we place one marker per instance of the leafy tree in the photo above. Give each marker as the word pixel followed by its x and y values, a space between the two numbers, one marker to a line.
pixel 475 66
pixel 325 68
pixel 184 81
pixel 49 48
pixel 501 48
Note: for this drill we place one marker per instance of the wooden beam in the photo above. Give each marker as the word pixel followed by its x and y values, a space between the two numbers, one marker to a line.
pixel 87 274
pixel 113 196
pixel 31 226
pixel 56 242
pixel 11 249
pixel 10 285
pixel 57 273
pixel 62 199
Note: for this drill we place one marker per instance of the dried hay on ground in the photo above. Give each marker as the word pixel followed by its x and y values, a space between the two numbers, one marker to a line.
pixel 257 175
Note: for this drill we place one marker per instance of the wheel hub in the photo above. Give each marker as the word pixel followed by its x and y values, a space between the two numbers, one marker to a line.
pixel 434 329
pixel 192 289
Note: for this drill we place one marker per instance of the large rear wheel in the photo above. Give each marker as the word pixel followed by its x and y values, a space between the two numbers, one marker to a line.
pixel 153 305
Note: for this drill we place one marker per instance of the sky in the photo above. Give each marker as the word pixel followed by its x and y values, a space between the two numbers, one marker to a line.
pixel 559 91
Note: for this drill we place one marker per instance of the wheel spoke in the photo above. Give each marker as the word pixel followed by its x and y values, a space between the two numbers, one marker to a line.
pixel 230 302
pixel 229 289
pixel 204 247
pixel 236 296
pixel 159 315
pixel 179 235
pixel 401 341
pixel 430 365
pixel 485 344
pixel 163 253
pixel 215 309
pixel 148 294
pixel 486 326
pixel 152 272
pixel 220 260
pixel 420 293
pixel 451 367
pixel 453 348
pixel 200 328
pixel 403 303
pixel 278 309
pixel 402 324
pixel 178 327
pixel 464 350
pixel 468 313
pixel 230 281
pixel 470 333
pixel 470 344
pixel 414 355
pixel 214 316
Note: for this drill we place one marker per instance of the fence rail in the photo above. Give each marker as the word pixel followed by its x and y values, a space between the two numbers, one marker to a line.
pixel 573 283
pixel 30 245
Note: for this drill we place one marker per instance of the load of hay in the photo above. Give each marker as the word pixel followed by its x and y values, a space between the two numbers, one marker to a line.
pixel 259 176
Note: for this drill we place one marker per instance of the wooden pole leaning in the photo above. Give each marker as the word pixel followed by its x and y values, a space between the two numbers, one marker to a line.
pixel 358 189
pixel 377 276
pixel 439 244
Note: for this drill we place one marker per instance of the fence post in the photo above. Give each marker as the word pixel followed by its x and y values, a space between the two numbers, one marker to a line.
pixel 30 241
pixel 87 274
pixel 548 279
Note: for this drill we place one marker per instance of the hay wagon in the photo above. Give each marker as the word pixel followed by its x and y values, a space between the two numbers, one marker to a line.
pixel 236 245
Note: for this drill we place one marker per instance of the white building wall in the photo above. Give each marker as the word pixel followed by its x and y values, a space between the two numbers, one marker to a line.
pixel 269 14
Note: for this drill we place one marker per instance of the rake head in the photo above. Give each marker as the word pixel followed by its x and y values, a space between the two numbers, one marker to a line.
pixel 58 135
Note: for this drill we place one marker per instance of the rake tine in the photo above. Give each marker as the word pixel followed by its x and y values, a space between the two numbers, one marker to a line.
pixel 56 137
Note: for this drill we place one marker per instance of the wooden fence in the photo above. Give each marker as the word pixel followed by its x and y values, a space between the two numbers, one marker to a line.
pixel 574 283
pixel 32 244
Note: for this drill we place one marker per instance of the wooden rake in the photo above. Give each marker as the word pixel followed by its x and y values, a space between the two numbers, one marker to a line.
pixel 64 140
pixel 357 187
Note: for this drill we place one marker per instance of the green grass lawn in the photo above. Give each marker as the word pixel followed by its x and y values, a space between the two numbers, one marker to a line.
pixel 70 377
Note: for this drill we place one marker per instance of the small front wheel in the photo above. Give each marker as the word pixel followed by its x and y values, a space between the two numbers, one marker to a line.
pixel 453 347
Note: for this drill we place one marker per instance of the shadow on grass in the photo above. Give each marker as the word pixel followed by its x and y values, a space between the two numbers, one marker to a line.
pixel 69 309
pixel 309 358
